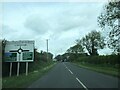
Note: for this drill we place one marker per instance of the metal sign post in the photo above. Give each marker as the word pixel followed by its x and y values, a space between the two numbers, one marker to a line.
pixel 18 68
pixel 18 65
pixel 10 73
pixel 26 68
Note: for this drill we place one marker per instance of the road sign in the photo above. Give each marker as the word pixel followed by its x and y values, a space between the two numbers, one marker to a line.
pixel 19 51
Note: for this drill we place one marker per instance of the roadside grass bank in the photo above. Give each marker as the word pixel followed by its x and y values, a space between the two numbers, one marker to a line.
pixel 23 81
pixel 107 64
pixel 100 68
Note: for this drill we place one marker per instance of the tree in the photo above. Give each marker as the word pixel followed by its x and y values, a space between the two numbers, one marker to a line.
pixel 74 52
pixel 3 47
pixel 58 57
pixel 110 18
pixel 92 42
pixel 75 49
pixel 50 56
pixel 42 55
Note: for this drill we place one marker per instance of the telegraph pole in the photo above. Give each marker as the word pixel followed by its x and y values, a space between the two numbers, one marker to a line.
pixel 47 49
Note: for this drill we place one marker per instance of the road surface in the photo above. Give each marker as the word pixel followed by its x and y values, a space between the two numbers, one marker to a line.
pixel 67 75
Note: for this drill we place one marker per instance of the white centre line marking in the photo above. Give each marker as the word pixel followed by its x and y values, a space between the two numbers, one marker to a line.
pixel 66 67
pixel 70 71
pixel 81 83
pixel 76 77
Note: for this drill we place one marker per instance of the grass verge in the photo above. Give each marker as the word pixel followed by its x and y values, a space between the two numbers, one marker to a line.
pixel 99 68
pixel 24 81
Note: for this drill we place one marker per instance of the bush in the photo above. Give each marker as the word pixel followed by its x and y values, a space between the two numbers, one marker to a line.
pixel 109 60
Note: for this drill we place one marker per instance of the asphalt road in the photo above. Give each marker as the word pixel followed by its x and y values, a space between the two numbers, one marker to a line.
pixel 67 75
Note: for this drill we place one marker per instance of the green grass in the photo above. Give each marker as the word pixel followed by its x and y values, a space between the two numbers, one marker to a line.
pixel 0 83
pixel 23 81
pixel 100 68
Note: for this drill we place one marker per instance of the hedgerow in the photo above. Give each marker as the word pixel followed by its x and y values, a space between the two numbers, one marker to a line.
pixel 109 60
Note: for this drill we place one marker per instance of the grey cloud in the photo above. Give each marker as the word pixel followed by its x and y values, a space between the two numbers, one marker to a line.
pixel 8 32
pixel 37 24
pixel 62 21
pixel 62 25
pixel 75 17
pixel 16 34
pixel 7 29
pixel 67 22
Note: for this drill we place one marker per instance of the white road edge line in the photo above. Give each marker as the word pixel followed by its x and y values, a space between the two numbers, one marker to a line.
pixel 81 83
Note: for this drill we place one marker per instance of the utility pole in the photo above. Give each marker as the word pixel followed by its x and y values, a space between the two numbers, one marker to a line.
pixel 47 49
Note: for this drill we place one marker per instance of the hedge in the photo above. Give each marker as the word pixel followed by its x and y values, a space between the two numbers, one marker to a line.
pixel 111 60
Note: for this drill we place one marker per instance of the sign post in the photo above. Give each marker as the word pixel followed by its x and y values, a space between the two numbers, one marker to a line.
pixel 18 68
pixel 26 68
pixel 19 51
pixel 10 69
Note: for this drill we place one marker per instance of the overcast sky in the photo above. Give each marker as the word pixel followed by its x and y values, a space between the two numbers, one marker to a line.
pixel 59 22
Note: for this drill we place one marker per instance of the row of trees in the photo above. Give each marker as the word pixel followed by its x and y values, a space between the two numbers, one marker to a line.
pixel 91 42
pixel 108 19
